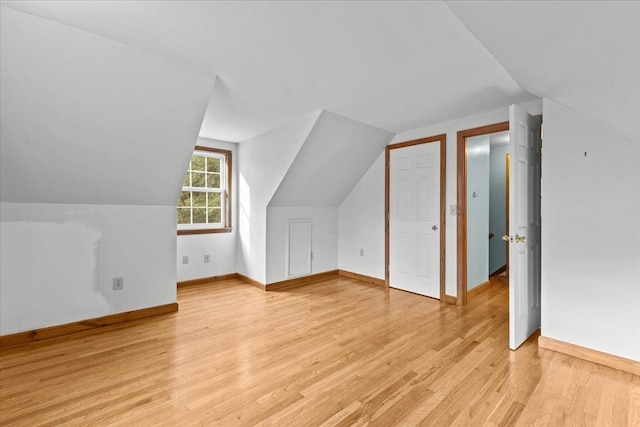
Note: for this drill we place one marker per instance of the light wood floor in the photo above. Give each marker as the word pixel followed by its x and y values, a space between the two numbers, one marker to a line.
pixel 339 352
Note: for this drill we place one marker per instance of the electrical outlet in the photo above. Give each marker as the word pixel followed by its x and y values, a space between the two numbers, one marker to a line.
pixel 207 258
pixel 361 252
pixel 118 283
pixel 185 259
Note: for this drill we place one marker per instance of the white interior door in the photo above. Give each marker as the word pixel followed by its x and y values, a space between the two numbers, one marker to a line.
pixel 414 218
pixel 299 255
pixel 524 226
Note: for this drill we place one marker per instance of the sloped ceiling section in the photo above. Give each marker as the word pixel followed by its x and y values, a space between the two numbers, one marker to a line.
pixel 334 157
pixel 265 159
pixel 88 120
pixel 584 55
pixel 397 65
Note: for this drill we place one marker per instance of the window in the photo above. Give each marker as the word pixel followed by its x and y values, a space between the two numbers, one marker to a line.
pixel 204 205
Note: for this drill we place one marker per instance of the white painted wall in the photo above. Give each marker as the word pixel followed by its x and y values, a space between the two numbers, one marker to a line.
pixel 263 161
pixel 324 239
pixel 590 234
pixel 478 155
pixel 221 247
pixel 58 261
pixel 361 217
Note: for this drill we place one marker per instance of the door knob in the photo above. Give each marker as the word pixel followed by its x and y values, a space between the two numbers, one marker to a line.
pixel 505 237
pixel 520 239
pixel 434 228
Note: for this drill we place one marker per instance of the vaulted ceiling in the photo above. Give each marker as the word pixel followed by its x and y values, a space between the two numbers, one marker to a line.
pixel 82 117
pixel 583 55
pixel 333 158
pixel 394 65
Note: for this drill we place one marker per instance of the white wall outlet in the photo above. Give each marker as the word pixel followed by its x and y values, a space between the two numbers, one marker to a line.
pixel 361 252
pixel 207 258
pixel 118 283
pixel 185 259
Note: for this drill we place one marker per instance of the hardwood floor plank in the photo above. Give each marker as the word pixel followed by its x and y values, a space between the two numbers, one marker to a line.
pixel 633 418
pixel 336 352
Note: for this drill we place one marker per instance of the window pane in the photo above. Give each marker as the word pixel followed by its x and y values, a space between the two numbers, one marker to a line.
pixel 197 179
pixel 197 163
pixel 213 164
pixel 213 180
pixel 214 200
pixel 185 199
pixel 199 199
pixel 184 216
pixel 199 215
pixel 207 204
pixel 215 215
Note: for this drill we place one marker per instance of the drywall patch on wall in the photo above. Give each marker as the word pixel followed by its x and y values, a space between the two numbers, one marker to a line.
pixel 49 266
pixel 58 261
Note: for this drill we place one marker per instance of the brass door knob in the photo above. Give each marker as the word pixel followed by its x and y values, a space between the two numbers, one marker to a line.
pixel 505 237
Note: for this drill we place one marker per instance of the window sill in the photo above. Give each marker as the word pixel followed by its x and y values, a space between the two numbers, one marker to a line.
pixel 205 231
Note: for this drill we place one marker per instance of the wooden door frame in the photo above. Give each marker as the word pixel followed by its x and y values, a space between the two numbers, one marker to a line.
pixel 443 158
pixel 461 298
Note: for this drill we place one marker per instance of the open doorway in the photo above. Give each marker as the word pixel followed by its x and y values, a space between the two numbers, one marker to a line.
pixel 525 149
pixel 487 213
pixel 476 234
